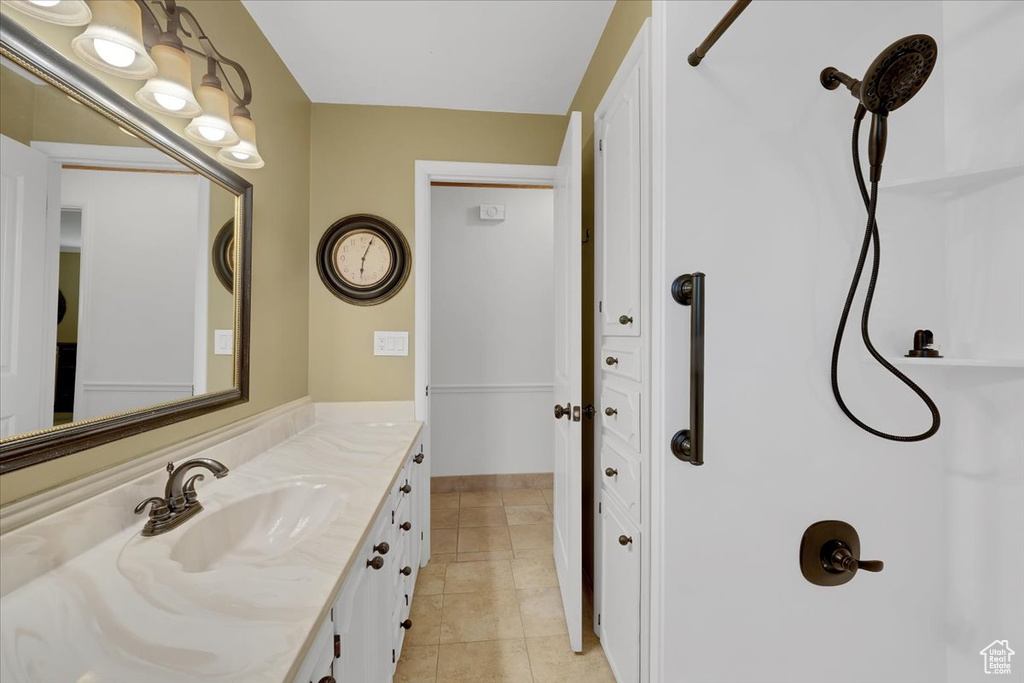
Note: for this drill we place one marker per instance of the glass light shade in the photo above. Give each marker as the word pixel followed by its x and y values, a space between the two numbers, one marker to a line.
pixel 244 154
pixel 212 126
pixel 63 12
pixel 113 40
pixel 170 90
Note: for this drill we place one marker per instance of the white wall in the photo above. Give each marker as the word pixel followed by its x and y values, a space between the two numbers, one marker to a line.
pixel 760 195
pixel 492 332
pixel 140 236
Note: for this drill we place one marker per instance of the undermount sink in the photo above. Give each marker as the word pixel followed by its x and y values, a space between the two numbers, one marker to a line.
pixel 258 527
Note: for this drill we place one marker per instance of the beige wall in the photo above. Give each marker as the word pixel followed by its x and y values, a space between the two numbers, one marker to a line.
pixel 362 162
pixel 68 277
pixel 280 250
pixel 619 33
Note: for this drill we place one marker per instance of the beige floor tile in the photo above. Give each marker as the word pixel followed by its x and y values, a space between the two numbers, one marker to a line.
pixel 475 517
pixel 534 573
pixel 484 539
pixel 523 497
pixel 442 558
pixel 528 514
pixel 552 660
pixel 528 536
pixel 541 611
pixel 476 577
pixel 549 496
pixel 425 614
pixel 417 665
pixel 440 501
pixel 533 553
pixel 474 617
pixel 430 580
pixel 481 499
pixel 490 555
pixel 496 661
pixel 444 518
pixel 444 540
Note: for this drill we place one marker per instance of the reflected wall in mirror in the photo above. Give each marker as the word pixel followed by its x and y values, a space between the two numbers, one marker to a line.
pixel 111 308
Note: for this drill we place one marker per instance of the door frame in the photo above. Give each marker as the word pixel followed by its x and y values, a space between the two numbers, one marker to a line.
pixel 141 159
pixel 427 172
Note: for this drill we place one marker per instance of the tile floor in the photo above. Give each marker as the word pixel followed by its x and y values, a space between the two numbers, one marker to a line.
pixel 487 609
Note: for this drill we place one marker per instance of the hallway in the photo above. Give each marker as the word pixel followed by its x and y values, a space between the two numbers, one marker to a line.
pixel 487 607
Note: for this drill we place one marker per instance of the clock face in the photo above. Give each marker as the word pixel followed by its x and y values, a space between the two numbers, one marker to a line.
pixel 362 258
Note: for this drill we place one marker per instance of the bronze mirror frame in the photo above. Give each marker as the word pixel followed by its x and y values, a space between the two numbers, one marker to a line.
pixel 26 50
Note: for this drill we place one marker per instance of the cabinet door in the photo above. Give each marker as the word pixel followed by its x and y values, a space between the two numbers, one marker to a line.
pixel 618 175
pixel 620 593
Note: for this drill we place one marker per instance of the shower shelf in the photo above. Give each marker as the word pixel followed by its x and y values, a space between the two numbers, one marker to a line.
pixel 960 362
pixel 959 182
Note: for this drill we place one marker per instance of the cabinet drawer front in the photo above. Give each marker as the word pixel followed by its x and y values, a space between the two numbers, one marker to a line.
pixel 620 593
pixel 624 421
pixel 622 358
pixel 624 482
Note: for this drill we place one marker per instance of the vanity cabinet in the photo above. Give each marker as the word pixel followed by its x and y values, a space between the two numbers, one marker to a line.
pixel 361 640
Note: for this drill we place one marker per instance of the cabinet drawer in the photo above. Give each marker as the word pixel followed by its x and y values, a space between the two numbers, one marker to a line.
pixel 624 483
pixel 620 593
pixel 622 358
pixel 624 420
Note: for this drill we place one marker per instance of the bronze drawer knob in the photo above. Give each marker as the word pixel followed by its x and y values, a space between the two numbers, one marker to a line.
pixel 405 526
pixel 405 571
pixel 610 412
pixel 625 540
pixel 611 472
pixel 611 360
pixel 377 562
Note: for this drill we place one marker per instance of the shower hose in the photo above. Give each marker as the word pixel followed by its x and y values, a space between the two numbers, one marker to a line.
pixel 871 235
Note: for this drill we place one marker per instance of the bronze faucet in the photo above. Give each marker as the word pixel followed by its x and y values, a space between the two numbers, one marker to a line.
pixel 180 501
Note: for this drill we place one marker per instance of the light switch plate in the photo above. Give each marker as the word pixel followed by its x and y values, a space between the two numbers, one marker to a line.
pixel 492 212
pixel 390 343
pixel 223 342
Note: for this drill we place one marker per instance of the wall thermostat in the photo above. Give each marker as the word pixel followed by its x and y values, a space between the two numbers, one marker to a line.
pixel 492 212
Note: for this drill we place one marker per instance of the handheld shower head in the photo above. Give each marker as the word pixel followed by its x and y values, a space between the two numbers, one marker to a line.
pixel 896 75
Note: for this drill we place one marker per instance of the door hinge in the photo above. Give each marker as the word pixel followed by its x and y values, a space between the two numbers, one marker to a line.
pixel 337 646
pixel 428 390
pixel 598 618
pixel 599 508
pixel 421 535
pixel 599 306
pixel 392 516
pixel 600 145
pixel 392 655
pixel 406 599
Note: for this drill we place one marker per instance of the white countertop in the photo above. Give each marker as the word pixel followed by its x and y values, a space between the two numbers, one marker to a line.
pixel 125 611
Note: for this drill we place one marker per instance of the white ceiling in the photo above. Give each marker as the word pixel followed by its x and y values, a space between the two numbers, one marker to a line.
pixel 492 55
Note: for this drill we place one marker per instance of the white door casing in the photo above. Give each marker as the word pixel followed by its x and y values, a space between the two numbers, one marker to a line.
pixel 27 312
pixel 568 380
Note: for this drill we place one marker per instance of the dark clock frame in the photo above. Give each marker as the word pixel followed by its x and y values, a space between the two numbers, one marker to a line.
pixel 391 236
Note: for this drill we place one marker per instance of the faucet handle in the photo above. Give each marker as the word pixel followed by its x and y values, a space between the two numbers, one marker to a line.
pixel 191 497
pixel 159 510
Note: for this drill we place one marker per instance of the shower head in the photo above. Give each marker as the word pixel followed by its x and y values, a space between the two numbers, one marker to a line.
pixel 893 78
pixel 896 75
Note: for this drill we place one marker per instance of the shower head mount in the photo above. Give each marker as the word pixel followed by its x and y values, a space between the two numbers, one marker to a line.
pixel 896 75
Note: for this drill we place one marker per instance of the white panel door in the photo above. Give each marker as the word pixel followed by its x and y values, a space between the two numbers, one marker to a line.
pixel 619 194
pixel 24 314
pixel 568 384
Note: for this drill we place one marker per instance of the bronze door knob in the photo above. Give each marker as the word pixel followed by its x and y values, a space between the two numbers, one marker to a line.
pixel 561 411
pixel 611 472
pixel 405 526
pixel 610 411
pixel 611 360
pixel 625 320
pixel 625 540
pixel 377 563
pixel 405 571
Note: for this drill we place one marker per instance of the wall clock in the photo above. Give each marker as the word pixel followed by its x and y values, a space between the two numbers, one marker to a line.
pixel 224 255
pixel 363 259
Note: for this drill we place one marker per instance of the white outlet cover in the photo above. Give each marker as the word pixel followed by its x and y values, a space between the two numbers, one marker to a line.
pixel 390 343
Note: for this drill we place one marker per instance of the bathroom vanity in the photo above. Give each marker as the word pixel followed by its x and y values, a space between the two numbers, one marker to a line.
pixel 300 567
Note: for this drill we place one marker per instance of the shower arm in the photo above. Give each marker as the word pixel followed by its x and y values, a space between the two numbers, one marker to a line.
pixel 721 27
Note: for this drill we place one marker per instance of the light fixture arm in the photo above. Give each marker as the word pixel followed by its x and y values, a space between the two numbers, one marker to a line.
pixel 177 16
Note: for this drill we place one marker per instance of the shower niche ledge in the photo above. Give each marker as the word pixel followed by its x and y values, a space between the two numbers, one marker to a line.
pixel 955 182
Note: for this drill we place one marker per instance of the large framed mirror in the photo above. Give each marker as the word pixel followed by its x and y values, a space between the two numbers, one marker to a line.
pixel 113 320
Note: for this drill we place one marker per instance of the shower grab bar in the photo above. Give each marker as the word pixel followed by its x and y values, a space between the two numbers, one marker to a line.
pixel 721 27
pixel 688 444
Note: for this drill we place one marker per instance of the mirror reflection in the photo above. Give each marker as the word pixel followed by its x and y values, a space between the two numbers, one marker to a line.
pixel 113 294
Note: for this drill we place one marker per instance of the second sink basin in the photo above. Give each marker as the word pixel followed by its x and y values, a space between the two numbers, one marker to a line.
pixel 259 527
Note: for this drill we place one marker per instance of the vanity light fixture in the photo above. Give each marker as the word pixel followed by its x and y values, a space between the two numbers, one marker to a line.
pixel 112 42
pixel 212 126
pixel 169 91
pixel 244 154
pixel 63 12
